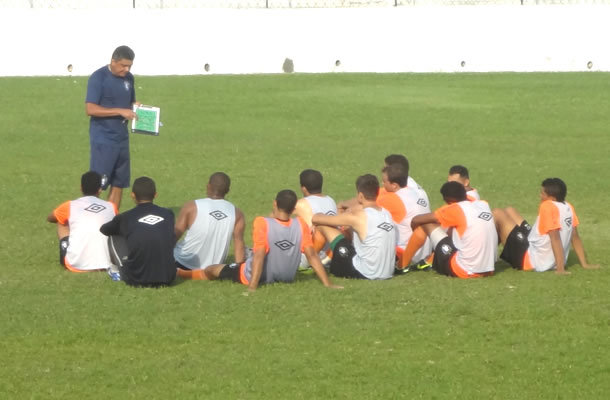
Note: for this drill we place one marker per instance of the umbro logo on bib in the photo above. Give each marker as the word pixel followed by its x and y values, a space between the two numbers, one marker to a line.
pixel 485 216
pixel 151 219
pixel 284 245
pixel 95 208
pixel 218 215
pixel 422 203
pixel 568 221
pixel 385 226
pixel 330 212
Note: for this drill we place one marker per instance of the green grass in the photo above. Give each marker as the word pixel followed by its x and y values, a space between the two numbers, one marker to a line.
pixel 513 336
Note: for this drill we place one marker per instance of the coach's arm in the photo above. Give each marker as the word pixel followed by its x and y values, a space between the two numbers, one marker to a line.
pixel 95 110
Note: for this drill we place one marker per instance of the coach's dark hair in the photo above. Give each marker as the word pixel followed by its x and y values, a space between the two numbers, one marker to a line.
pixel 123 53
pixel 555 187
pixel 286 200
pixel 398 159
pixel 311 180
pixel 459 169
pixel 368 185
pixel 453 192
pixel 90 183
pixel 396 174
pixel 144 189
pixel 220 183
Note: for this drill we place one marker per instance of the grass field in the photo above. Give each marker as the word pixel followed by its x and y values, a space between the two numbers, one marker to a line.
pixel 512 336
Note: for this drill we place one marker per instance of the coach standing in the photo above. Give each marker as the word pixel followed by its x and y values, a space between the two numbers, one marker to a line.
pixel 110 99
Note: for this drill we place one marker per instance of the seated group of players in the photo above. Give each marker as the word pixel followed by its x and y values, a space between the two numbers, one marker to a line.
pixel 381 232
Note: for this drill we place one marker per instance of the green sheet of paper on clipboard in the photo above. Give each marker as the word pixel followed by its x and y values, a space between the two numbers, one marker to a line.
pixel 147 121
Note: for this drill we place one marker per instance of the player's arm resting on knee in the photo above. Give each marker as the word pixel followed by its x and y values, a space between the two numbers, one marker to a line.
pixel 185 219
pixel 557 252
pixel 580 250
pixel 239 247
pixel 318 268
pixel 423 219
pixel 257 268
pixel 347 204
pixel 95 110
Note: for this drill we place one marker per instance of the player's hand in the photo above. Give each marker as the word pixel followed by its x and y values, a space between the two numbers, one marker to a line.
pixel 564 272
pixel 128 114
pixel 591 266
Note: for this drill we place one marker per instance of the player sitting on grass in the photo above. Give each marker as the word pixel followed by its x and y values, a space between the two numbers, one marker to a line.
pixel 278 242
pixel 81 245
pixel 471 249
pixel 372 253
pixel 142 239
pixel 404 203
pixel 546 245
pixel 210 224
pixel 314 202
pixel 459 173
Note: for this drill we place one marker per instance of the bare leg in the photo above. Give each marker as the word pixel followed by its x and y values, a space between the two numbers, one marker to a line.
pixel 514 215
pixel 504 223
pixel 115 195
pixel 329 232
pixel 63 231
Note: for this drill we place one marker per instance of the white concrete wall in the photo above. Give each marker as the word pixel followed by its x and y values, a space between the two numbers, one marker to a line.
pixel 403 39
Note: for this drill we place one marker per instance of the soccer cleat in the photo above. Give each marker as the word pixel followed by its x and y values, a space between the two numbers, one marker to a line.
pixel 423 265
pixel 115 276
pixel 401 271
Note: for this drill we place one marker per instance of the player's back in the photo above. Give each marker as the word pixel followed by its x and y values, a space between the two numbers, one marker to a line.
pixel 88 247
pixel 207 240
pixel 475 236
pixel 375 254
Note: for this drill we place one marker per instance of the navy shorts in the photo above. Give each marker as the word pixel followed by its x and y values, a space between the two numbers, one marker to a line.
pixel 112 163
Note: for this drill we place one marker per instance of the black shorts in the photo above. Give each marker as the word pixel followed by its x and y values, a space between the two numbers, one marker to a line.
pixel 444 251
pixel 178 265
pixel 341 264
pixel 230 272
pixel 516 245
pixel 63 249
pixel 112 163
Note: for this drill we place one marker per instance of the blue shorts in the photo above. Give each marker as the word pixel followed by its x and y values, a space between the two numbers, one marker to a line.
pixel 112 163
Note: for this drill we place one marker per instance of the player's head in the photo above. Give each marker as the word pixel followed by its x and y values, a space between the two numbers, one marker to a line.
pixel 218 185
pixel 144 189
pixel 367 187
pixel 553 189
pixel 122 60
pixel 311 180
pixel 453 192
pixel 91 183
pixel 286 200
pixel 394 177
pixel 459 173
pixel 397 159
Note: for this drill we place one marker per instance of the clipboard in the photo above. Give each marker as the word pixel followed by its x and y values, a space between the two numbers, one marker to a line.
pixel 148 120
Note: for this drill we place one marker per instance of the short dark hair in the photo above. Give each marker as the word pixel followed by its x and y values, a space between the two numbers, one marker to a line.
pixel 220 183
pixel 90 183
pixel 123 53
pixel 311 180
pixel 398 159
pixel 144 189
pixel 453 192
pixel 396 174
pixel 555 187
pixel 286 200
pixel 368 185
pixel 459 169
